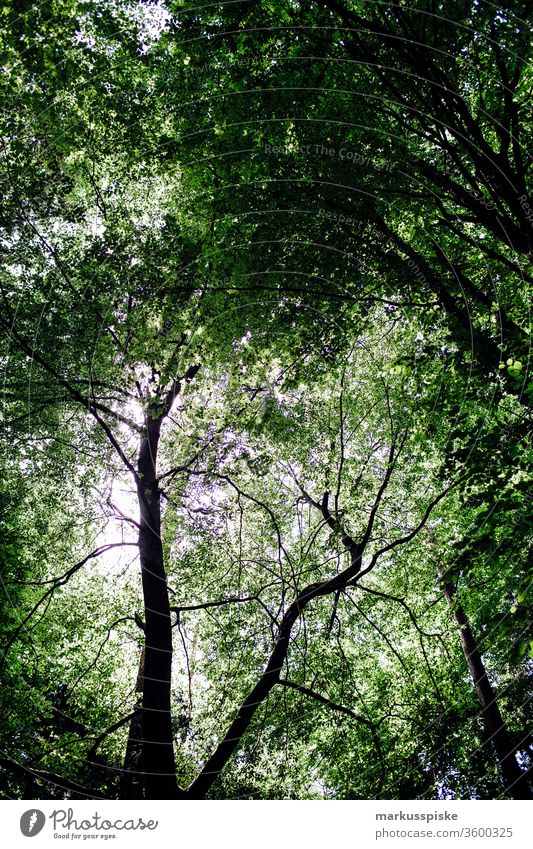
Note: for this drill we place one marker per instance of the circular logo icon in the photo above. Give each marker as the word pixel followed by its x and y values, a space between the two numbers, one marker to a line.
pixel 32 822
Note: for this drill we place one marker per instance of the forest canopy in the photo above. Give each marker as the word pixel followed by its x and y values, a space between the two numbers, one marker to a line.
pixel 265 492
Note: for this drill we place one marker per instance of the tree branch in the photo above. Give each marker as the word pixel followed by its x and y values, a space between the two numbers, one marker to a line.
pixel 349 712
pixel 112 728
pixel 403 604
pixel 56 582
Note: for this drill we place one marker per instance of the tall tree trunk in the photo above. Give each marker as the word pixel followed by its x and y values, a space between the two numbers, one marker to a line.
pixel 515 780
pixel 158 750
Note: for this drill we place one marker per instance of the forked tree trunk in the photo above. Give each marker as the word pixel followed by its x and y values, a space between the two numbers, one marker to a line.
pixel 159 766
pixel 515 780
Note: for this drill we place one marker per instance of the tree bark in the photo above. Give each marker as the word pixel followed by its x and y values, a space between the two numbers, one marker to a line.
pixel 159 768
pixel 515 780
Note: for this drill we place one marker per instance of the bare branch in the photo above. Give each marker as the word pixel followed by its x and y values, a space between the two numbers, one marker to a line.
pixel 112 728
pixel 393 456
pixel 56 582
pixel 205 605
pixel 349 712
pixel 403 604
pixel 412 534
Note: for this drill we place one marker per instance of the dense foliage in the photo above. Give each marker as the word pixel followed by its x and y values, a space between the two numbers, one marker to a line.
pixel 266 419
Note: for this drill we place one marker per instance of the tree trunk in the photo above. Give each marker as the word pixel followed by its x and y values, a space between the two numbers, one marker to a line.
pixel 514 778
pixel 159 766
pixel 232 739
